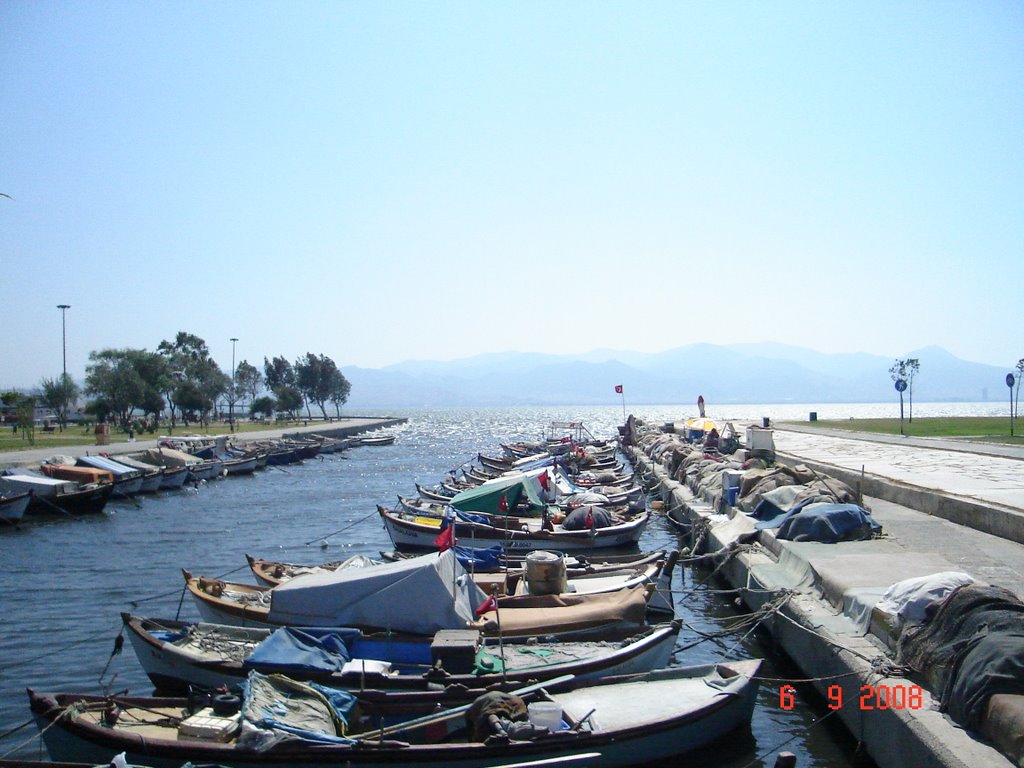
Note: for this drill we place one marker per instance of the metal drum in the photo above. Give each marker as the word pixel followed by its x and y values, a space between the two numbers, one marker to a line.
pixel 545 573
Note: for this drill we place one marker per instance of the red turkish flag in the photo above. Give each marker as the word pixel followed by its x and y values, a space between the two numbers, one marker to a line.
pixel 618 389
pixel 503 504
pixel 446 539
pixel 490 604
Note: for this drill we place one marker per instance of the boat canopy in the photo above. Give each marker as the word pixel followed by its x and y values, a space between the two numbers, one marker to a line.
pixel 41 486
pixel 109 465
pixel 420 595
pixel 487 497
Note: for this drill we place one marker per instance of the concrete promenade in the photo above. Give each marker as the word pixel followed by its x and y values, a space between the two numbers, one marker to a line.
pixel 344 427
pixel 937 501
pixel 978 485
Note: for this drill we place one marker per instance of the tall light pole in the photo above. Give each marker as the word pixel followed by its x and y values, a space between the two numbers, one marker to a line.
pixel 64 333
pixel 231 402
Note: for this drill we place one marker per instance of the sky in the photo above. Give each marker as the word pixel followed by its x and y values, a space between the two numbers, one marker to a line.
pixel 386 181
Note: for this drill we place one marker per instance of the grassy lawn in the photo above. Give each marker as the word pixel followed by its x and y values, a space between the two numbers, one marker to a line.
pixel 981 428
pixel 78 435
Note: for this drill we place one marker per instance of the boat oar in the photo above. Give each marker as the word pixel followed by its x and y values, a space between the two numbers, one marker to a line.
pixel 448 714
pixel 551 761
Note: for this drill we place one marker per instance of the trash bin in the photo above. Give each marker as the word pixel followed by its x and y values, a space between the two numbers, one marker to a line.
pixel 102 434
pixel 814 415
pixel 765 422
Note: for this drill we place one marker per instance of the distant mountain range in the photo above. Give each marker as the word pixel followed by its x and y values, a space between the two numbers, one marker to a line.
pixel 736 373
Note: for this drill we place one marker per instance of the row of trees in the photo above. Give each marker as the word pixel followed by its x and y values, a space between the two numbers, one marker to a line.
pixel 181 379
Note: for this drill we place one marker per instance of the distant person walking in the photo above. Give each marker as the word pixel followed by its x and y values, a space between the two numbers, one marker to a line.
pixel 700 405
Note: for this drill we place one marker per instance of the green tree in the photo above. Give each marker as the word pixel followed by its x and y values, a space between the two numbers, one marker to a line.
pixel 59 395
pixel 318 378
pixel 289 399
pixel 126 380
pixel 112 377
pixel 278 373
pixel 194 374
pixel 263 405
pixel 905 370
pixel 26 413
pixel 248 381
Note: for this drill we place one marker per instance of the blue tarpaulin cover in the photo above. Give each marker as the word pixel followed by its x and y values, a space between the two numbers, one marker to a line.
pixel 827 523
pixel 309 648
pixel 479 558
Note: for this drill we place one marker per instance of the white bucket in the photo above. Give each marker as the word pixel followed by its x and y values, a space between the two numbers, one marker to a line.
pixel 546 714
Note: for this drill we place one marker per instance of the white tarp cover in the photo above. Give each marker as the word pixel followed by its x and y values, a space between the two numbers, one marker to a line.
pixel 420 595
pixel 909 599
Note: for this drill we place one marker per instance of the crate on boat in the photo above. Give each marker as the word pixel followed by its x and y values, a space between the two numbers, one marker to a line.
pixel 455 649
pixel 207 726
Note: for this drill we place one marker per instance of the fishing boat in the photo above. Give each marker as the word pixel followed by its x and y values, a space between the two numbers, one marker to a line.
pixel 417 596
pixel 623 721
pixel 177 654
pixel 55 495
pixel 374 440
pixel 152 475
pixel 127 481
pixel 274 572
pixel 540 573
pixel 12 508
pixel 409 530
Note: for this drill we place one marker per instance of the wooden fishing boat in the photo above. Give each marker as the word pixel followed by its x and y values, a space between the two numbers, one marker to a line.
pixel 127 480
pixel 620 721
pixel 12 508
pixel 374 440
pixel 247 605
pixel 273 572
pixel 408 530
pixel 596 577
pixel 177 654
pixel 55 495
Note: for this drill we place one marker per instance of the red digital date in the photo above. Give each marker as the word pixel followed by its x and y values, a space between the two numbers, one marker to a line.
pixel 872 697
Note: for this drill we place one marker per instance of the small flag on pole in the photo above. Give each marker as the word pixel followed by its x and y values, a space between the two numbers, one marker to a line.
pixel 618 389
pixel 490 604
pixel 446 539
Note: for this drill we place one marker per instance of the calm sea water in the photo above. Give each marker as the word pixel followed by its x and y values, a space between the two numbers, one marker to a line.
pixel 64 582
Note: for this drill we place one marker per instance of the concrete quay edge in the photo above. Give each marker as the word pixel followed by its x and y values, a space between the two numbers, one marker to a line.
pixel 344 427
pixel 998 520
pixel 893 738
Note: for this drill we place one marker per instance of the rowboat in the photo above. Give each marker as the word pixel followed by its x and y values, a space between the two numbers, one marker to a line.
pixel 127 481
pixel 418 596
pixel 177 654
pixel 621 721
pixel 12 508
pixel 274 572
pixel 594 578
pixel 360 440
pixel 56 495
pixel 408 530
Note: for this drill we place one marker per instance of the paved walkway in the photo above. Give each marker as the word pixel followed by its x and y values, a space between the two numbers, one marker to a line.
pixel 984 472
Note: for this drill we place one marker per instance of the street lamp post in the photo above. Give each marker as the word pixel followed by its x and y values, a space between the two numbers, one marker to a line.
pixel 231 402
pixel 64 333
pixel 62 416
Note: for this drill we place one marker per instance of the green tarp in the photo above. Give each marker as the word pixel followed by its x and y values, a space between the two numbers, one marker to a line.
pixel 487 497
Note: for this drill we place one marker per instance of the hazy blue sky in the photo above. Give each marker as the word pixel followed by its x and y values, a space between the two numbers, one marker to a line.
pixel 381 181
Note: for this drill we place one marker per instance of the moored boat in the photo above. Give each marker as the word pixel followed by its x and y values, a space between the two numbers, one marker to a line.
pixel 12 508
pixel 622 721
pixel 56 495
pixel 177 654
pixel 416 596
pixel 408 530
